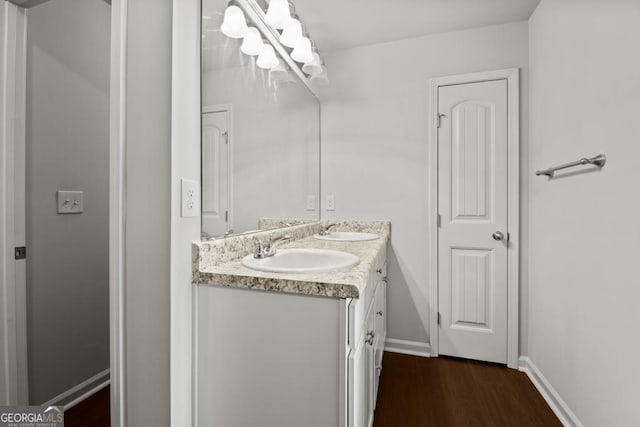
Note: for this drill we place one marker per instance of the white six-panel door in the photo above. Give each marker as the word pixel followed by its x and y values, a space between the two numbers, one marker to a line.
pixel 215 173
pixel 472 208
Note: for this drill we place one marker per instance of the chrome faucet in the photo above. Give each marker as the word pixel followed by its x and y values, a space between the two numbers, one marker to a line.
pixel 327 229
pixel 266 250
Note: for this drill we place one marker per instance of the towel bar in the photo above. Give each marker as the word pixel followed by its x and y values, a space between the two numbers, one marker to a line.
pixel 598 160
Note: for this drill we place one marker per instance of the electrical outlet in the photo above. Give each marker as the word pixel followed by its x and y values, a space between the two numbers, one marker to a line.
pixel 331 202
pixel 311 202
pixel 70 202
pixel 190 195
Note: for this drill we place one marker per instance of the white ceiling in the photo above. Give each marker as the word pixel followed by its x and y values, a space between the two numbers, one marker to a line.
pixel 339 24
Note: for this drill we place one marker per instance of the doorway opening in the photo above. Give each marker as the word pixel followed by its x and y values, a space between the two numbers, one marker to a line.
pixel 56 201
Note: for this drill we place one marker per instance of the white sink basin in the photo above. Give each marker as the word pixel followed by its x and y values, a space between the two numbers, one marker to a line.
pixel 347 236
pixel 302 261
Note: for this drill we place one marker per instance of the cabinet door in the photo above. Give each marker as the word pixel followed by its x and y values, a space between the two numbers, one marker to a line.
pixel 357 385
pixel 371 376
pixel 380 304
pixel 381 317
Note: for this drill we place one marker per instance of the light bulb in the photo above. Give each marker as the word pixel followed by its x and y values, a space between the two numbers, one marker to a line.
pixel 313 67
pixel 234 24
pixel 267 58
pixel 252 43
pixel 278 14
pixel 292 33
pixel 302 52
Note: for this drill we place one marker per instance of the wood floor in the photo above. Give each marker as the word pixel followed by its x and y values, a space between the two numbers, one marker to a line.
pixel 448 392
pixel 91 412
pixel 419 392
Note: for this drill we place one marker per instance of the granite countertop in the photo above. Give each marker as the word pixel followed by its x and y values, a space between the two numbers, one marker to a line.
pixel 344 283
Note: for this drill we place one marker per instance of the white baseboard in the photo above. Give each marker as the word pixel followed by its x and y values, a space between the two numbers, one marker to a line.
pixel 80 392
pixel 412 348
pixel 550 395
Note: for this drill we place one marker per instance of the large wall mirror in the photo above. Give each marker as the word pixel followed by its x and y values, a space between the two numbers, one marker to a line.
pixel 260 136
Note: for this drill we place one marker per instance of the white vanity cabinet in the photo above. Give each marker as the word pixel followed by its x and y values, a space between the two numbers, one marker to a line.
pixel 289 360
pixel 365 352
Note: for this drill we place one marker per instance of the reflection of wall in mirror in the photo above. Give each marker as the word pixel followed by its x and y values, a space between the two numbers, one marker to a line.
pixel 275 133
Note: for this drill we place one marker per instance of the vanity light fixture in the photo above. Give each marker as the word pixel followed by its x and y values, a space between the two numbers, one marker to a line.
pixel 282 30
pixel 292 33
pixel 302 52
pixel 267 58
pixel 281 15
pixel 252 44
pixel 234 24
pixel 278 14
pixel 313 67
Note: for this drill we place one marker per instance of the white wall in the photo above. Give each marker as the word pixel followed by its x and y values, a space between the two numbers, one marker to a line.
pixel 185 163
pixel 374 144
pixel 148 213
pixel 67 149
pixel 584 233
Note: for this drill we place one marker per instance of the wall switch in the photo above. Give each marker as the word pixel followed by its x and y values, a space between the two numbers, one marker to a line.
pixel 190 196
pixel 70 202
pixel 331 202
pixel 311 202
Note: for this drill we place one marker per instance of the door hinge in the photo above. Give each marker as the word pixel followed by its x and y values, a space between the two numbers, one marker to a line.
pixel 438 220
pixel 21 252
pixel 439 319
pixel 226 137
pixel 226 216
pixel 440 116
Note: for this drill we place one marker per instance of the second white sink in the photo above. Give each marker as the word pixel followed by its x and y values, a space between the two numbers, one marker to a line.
pixel 302 261
pixel 346 236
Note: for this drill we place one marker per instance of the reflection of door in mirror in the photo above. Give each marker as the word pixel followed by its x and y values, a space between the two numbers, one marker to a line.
pixel 216 189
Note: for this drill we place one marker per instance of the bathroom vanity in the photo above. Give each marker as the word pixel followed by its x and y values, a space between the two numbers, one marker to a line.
pixel 289 349
pixel 292 346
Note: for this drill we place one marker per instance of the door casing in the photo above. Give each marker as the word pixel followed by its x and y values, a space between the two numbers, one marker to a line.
pixel 513 196
pixel 13 306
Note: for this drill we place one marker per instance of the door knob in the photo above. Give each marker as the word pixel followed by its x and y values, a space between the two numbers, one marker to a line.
pixel 498 236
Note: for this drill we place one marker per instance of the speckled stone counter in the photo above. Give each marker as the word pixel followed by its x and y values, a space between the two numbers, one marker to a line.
pixel 271 223
pixel 218 262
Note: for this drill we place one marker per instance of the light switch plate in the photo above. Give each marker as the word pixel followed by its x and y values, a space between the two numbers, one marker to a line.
pixel 331 202
pixel 70 202
pixel 311 202
pixel 190 198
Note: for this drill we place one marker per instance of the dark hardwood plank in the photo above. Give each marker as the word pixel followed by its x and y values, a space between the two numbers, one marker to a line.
pixel 445 391
pixel 93 411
